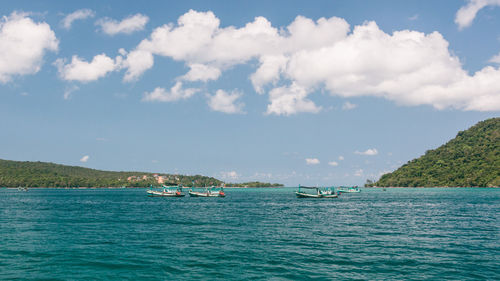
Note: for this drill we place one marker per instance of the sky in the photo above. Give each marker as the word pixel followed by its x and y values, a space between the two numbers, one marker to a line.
pixel 294 92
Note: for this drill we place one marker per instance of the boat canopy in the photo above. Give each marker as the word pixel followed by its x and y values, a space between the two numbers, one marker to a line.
pixel 307 187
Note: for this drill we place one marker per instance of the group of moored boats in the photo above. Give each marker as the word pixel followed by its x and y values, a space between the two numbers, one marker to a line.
pixel 213 191
pixel 177 191
pixel 324 192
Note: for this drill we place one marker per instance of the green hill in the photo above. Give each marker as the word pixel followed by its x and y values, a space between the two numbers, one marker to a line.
pixel 472 158
pixel 41 174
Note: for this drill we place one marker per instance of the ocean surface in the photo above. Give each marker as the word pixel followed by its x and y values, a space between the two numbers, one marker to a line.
pixel 252 234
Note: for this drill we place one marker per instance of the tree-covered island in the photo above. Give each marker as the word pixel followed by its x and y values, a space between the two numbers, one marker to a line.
pixel 471 159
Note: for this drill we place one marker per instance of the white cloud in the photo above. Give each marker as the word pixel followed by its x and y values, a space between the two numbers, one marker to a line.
pixel 312 161
pixel 290 100
pixel 341 158
pixel 231 175
pixel 176 93
pixel 495 59
pixel 84 159
pixel 348 106
pixel 358 173
pixel 333 163
pixel 466 14
pixel 408 67
pixel 128 25
pixel 226 102
pixel 23 44
pixel 82 71
pixel 201 72
pixel 76 15
pixel 368 152
pixel 69 90
pixel 136 63
pixel 269 70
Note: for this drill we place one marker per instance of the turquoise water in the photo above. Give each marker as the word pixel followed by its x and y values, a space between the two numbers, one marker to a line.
pixel 116 234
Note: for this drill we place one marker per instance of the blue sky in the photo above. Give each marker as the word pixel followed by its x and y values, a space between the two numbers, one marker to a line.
pixel 329 93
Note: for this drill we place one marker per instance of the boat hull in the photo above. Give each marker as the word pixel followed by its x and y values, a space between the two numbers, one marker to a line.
pixel 164 194
pixel 307 195
pixel 204 194
pixel 349 191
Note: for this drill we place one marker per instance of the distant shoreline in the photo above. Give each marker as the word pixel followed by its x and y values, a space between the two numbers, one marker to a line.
pixel 130 187
pixel 231 187
pixel 431 187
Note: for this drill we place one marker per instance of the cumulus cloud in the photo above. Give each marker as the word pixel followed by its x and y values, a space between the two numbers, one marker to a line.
pixel 136 63
pixel 407 67
pixel 348 106
pixel 128 25
pixel 201 72
pixel 368 152
pixel 83 71
pixel 333 163
pixel 23 44
pixel 290 100
pixel 177 92
pixel 466 14
pixel 226 102
pixel 312 161
pixel 341 157
pixel 84 159
pixel 81 14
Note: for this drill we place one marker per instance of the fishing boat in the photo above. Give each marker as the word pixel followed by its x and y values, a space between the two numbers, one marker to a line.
pixel 348 189
pixel 22 188
pixel 207 192
pixel 316 192
pixel 168 191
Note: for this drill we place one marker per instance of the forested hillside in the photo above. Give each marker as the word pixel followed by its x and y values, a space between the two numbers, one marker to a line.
pixel 472 158
pixel 41 174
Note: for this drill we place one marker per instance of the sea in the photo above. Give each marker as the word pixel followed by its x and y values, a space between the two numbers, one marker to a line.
pixel 252 234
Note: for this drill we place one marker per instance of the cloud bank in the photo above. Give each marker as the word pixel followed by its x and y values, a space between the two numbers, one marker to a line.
pixel 407 67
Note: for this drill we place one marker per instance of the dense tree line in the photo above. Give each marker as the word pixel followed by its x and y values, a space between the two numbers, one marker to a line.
pixel 471 159
pixel 254 184
pixel 41 174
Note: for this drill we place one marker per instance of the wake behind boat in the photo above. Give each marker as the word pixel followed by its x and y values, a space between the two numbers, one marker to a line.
pixel 168 191
pixel 316 192
pixel 207 192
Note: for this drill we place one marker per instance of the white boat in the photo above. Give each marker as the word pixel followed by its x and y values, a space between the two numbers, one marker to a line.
pixel 317 192
pixel 168 191
pixel 348 189
pixel 208 192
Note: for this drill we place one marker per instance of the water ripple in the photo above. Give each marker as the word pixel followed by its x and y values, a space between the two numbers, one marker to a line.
pixel 253 234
